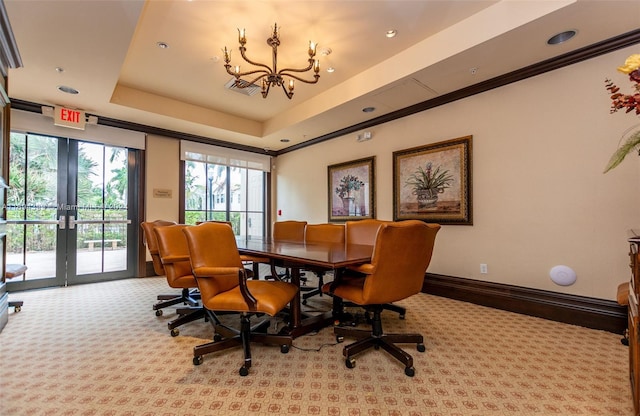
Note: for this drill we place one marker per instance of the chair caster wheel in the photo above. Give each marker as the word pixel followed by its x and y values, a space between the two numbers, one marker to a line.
pixel 624 341
pixel 304 302
pixel 284 349
pixel 401 316
pixel 350 363
pixel 159 312
pixel 421 348
pixel 217 337
pixel 410 371
pixel 197 360
pixel 339 339
pixel 18 309
pixel 244 371
pixel 175 332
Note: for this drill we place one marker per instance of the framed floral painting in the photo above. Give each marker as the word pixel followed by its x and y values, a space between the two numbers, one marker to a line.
pixel 352 190
pixel 433 183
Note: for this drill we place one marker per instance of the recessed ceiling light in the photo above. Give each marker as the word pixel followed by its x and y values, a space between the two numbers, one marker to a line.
pixel 285 140
pixel 331 69
pixel 59 69
pixel 162 45
pixel 67 90
pixel 368 109
pixel 561 37
pixel 391 33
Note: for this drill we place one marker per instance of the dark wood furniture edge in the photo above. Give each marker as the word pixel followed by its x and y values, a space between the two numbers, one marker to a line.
pixel 561 307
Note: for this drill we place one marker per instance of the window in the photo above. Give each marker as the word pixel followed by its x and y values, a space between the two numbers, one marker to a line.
pixel 223 187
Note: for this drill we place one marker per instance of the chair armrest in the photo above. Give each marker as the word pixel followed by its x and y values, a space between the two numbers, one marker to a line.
pixel 214 271
pixel 173 259
pixel 366 268
pixel 246 294
pixel 204 272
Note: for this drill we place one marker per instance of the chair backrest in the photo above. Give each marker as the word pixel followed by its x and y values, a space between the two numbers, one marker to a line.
pixel 324 233
pixel 400 258
pixel 289 230
pixel 214 257
pixel 152 244
pixel 362 231
pixel 174 254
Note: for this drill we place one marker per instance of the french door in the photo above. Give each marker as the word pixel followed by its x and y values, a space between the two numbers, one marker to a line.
pixel 68 216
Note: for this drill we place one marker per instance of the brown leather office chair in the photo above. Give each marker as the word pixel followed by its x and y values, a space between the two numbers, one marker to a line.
pixel 174 254
pixel 247 259
pixel 400 258
pixel 290 230
pixel 224 287
pixel 321 233
pixel 364 232
pixel 149 239
pixel 188 295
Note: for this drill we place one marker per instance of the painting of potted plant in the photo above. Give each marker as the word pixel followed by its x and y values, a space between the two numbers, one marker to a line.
pixel 351 190
pixel 427 183
pixel 345 190
pixel 432 182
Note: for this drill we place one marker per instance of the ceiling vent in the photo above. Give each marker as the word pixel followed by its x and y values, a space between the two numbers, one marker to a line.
pixel 248 89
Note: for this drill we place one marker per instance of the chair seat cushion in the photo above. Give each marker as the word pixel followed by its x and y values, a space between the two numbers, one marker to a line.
pixel 14 270
pixel 183 282
pixel 350 288
pixel 271 297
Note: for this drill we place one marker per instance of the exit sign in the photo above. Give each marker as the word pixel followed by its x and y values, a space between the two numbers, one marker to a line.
pixel 67 117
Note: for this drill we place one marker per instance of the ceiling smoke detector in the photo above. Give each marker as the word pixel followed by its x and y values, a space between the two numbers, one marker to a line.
pixel 242 86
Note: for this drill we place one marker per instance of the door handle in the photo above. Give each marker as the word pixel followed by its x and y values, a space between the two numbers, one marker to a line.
pixel 73 222
pixel 62 223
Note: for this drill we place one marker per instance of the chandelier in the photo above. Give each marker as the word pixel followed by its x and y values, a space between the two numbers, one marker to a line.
pixel 271 76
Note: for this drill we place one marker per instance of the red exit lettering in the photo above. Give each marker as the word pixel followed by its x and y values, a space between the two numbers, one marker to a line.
pixel 72 116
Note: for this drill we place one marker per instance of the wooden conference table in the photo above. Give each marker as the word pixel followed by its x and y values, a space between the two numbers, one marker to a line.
pixel 298 255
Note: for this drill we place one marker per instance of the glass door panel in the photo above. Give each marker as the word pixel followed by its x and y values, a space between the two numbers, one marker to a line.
pixel 32 208
pixel 100 219
pixel 68 218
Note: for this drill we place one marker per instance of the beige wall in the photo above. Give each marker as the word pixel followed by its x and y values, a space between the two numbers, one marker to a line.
pixel 162 160
pixel 540 198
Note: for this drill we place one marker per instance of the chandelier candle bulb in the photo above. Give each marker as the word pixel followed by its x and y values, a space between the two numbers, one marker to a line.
pixel 312 49
pixel 241 37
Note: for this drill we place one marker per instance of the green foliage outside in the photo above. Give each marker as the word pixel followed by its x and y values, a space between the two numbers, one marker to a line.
pixel 33 176
pixel 199 204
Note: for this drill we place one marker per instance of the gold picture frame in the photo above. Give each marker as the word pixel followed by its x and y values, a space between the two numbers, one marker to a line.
pixel 351 192
pixel 433 183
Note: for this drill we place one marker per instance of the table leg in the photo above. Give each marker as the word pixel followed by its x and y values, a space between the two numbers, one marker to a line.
pixel 296 312
pixel 299 326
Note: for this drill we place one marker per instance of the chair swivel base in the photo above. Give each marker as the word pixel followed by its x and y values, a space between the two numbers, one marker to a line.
pixel 187 297
pixel 187 315
pixel 376 339
pixel 226 338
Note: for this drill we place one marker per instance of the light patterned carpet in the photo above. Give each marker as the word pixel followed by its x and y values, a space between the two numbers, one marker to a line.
pixel 98 349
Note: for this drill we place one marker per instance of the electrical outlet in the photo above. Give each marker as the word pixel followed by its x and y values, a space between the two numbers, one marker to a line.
pixel 483 268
